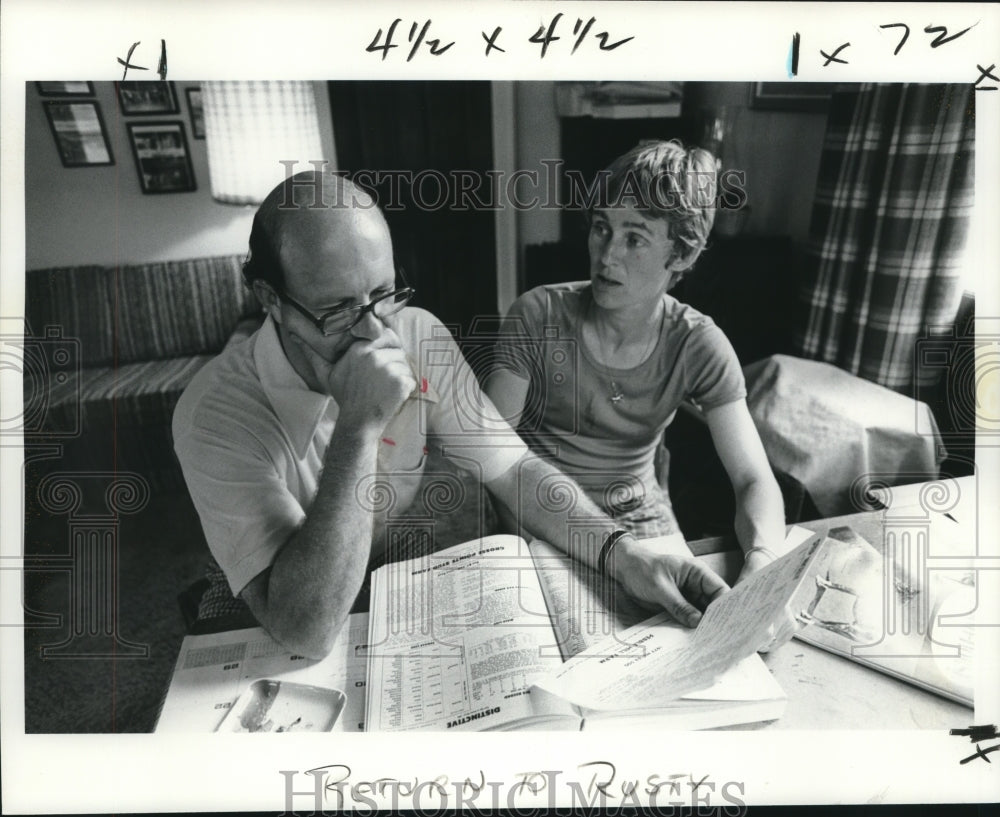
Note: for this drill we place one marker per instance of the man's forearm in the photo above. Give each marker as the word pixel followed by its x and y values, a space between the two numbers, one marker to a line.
pixel 317 574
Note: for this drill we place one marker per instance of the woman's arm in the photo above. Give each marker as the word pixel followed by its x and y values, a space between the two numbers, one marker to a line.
pixel 760 513
pixel 508 392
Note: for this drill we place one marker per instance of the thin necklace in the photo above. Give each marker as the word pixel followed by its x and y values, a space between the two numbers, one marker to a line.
pixel 617 395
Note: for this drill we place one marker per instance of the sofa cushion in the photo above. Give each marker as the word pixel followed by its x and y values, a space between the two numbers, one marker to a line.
pixel 135 395
pixel 141 312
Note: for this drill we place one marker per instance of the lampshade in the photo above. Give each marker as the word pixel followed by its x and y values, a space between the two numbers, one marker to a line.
pixel 250 127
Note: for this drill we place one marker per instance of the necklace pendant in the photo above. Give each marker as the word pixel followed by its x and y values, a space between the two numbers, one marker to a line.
pixel 616 393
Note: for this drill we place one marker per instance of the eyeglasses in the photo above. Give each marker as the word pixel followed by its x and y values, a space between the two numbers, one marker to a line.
pixel 343 320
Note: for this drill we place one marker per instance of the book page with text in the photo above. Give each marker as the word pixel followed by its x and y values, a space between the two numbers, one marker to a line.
pixel 457 638
pixel 584 606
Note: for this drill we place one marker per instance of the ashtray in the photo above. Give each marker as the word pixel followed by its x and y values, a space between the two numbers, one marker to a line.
pixel 283 706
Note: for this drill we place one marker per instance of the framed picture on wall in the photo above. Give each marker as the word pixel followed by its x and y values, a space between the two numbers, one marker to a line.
pixel 161 157
pixel 197 112
pixel 65 88
pixel 147 98
pixel 790 96
pixel 79 132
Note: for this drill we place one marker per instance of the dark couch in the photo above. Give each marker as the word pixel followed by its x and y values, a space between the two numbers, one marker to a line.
pixel 109 350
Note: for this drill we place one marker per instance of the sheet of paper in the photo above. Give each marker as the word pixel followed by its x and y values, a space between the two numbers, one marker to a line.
pixel 748 680
pixel 213 670
pixel 658 661
pixel 641 650
pixel 586 611
pixel 457 638
pixel 794 537
pixel 584 607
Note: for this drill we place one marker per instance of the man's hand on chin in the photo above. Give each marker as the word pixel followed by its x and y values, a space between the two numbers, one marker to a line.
pixel 370 381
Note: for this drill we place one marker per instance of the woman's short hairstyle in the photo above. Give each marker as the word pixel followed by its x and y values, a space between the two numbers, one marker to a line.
pixel 663 179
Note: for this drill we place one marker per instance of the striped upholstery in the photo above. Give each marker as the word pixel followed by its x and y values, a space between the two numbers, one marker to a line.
pixel 180 308
pixel 141 312
pixel 78 301
pixel 140 394
pixel 125 416
pixel 144 331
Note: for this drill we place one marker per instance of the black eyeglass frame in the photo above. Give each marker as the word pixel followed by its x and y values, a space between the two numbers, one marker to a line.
pixel 319 320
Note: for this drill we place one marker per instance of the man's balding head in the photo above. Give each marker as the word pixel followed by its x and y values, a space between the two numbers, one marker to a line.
pixel 311 214
pixel 319 245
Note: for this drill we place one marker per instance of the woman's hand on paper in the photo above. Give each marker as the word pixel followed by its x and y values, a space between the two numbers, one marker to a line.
pixel 680 585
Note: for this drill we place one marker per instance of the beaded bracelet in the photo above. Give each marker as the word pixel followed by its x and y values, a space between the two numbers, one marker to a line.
pixel 612 539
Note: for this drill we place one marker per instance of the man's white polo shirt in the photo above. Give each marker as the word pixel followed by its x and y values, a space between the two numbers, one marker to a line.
pixel 251 438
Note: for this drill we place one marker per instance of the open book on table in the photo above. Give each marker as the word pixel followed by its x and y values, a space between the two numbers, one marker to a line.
pixel 498 634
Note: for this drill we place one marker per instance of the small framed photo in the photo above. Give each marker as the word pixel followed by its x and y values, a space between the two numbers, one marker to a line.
pixel 161 157
pixel 197 112
pixel 147 98
pixel 790 96
pixel 79 132
pixel 65 88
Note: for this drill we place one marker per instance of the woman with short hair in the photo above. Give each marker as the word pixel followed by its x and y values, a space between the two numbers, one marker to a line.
pixel 601 366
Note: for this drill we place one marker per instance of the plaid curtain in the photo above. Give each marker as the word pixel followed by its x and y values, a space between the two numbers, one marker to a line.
pixel 888 228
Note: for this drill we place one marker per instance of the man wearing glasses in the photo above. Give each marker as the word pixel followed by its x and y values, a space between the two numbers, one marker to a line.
pixel 280 434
